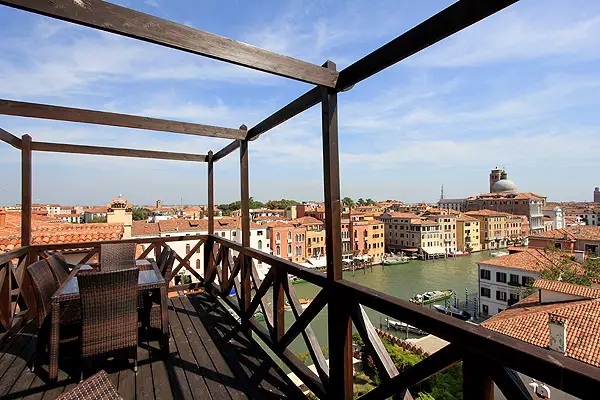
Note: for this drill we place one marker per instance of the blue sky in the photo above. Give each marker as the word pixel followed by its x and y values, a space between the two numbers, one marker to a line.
pixel 518 90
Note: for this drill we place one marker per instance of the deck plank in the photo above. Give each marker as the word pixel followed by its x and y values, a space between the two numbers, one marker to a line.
pixel 215 382
pixel 160 374
pixel 144 385
pixel 126 384
pixel 179 383
pixel 197 384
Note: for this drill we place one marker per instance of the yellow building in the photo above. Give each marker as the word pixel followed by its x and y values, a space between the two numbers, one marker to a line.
pixel 492 224
pixel 119 211
pixel 468 233
pixel 375 240
pixel 315 235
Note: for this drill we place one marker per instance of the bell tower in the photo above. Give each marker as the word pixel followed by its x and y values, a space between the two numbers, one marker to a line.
pixel 496 175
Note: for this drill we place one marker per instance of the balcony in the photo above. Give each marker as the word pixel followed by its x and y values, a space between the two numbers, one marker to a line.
pixel 212 354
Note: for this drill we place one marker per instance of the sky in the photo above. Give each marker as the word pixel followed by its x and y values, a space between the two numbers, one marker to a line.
pixel 519 90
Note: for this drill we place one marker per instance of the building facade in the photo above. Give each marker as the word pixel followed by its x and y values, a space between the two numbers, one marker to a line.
pixel 287 240
pixel 596 195
pixel 468 234
pixel 581 238
pixel 556 214
pixel 412 234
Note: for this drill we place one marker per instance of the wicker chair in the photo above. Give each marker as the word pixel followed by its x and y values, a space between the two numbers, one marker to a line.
pixel 94 388
pixel 118 256
pixel 162 259
pixel 109 314
pixel 44 286
pixel 58 269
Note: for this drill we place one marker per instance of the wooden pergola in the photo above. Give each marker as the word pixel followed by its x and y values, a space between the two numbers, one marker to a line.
pixel 486 356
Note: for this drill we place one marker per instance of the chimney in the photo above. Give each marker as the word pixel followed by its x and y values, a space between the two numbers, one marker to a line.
pixel 2 217
pixel 558 332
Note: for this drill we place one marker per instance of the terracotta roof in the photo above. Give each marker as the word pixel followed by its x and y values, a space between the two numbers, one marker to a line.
pixel 95 210
pixel 140 228
pixel 66 233
pixel 423 222
pixel 508 196
pixel 528 321
pixel 488 213
pixel 308 220
pixel 580 232
pixel 467 218
pixel 568 288
pixel 402 215
pixel 13 222
pixel 529 260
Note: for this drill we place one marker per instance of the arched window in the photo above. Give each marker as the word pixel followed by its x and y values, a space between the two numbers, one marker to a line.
pixel 289 249
pixel 290 236
pixel 260 244
pixel 278 236
pixel 197 264
pixel 278 250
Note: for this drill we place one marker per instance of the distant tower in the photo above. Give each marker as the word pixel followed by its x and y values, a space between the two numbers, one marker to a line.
pixel 119 211
pixel 495 176
pixel 442 193
pixel 596 195
pixel 158 203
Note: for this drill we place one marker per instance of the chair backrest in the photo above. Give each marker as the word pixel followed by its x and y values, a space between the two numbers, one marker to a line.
pixel 168 265
pixel 109 315
pixel 44 286
pixel 58 269
pixel 162 258
pixel 117 256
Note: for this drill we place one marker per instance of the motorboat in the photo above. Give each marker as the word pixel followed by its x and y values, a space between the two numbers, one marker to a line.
pixel 453 312
pixel 432 297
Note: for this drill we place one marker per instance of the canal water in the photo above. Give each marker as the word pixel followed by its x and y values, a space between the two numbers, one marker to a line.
pixel 403 281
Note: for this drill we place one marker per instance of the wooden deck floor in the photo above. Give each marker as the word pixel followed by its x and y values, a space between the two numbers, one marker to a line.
pixel 208 359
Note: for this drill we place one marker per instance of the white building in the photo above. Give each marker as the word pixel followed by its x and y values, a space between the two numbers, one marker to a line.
pixel 557 214
pixel 502 280
pixel 453 204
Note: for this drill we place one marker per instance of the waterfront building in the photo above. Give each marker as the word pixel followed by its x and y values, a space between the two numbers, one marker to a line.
pixel 502 280
pixel 560 316
pixel 492 225
pixel 412 234
pixel 467 233
pixel 447 222
pixel 287 240
pixel 315 235
pixel 575 238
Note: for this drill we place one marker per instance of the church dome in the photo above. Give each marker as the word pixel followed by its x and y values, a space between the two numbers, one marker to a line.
pixel 504 186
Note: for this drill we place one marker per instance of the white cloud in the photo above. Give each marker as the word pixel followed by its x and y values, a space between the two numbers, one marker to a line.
pixel 152 3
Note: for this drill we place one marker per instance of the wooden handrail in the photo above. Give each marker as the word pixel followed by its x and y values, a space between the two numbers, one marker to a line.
pixel 12 254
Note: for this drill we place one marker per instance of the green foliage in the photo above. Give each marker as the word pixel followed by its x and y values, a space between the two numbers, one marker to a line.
pixel 402 359
pixel 566 270
pixel 140 214
pixel 424 396
pixel 185 279
pixel 280 204
pixel 363 202
pixel 303 356
pixel 236 205
pixel 348 202
pixel 98 220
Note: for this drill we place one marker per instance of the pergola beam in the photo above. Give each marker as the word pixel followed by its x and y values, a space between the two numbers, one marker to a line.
pixel 10 139
pixel 45 111
pixel 118 152
pixel 458 16
pixel 127 22
pixel 227 150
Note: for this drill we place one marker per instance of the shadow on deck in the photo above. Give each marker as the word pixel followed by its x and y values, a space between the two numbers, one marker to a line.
pixel 208 358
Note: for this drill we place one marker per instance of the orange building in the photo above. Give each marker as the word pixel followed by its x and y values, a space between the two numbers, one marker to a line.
pixel 287 240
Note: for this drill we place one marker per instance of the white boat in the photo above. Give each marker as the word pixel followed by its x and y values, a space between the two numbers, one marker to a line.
pixel 401 326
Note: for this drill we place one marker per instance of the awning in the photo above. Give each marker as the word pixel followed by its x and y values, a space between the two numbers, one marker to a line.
pixel 435 250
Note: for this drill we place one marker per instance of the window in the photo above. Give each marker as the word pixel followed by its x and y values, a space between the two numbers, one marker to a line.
pixel 278 236
pixel 485 274
pixel 486 292
pixel 514 298
pixel 500 295
pixel 289 248
pixel 260 244
pixel 514 279
pixel 197 264
pixel 290 236
pixel 501 277
pixel 259 233
pixel 234 233
pixel 278 251
pixel 187 249
pixel 526 280
pixel 485 310
pixel 222 234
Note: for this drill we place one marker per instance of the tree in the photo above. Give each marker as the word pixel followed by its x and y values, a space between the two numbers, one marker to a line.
pixel 564 268
pixel 280 204
pixel 98 220
pixel 140 214
pixel 370 202
pixel 236 205
pixel 360 202
pixel 348 202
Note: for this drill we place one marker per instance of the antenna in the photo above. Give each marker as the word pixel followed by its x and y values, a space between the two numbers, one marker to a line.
pixel 442 193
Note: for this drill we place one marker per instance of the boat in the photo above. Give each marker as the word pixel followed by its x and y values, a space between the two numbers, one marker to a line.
pixel 259 316
pixel 459 254
pixel 401 326
pixel 432 297
pixel 453 312
pixel 394 260
pixel 303 302
pixel 295 280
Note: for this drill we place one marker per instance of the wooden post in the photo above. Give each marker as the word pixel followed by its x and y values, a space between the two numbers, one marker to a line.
pixel 25 190
pixel 245 216
pixel 278 303
pixel 476 383
pixel 339 323
pixel 211 195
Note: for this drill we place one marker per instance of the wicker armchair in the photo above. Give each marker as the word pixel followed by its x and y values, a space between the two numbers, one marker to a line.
pixel 94 388
pixel 109 314
pixel 118 256
pixel 58 269
pixel 163 256
pixel 44 286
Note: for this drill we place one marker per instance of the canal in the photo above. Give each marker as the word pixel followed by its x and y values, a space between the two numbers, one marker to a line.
pixel 403 281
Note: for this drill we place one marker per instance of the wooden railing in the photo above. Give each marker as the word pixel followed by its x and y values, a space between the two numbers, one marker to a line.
pixel 486 356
